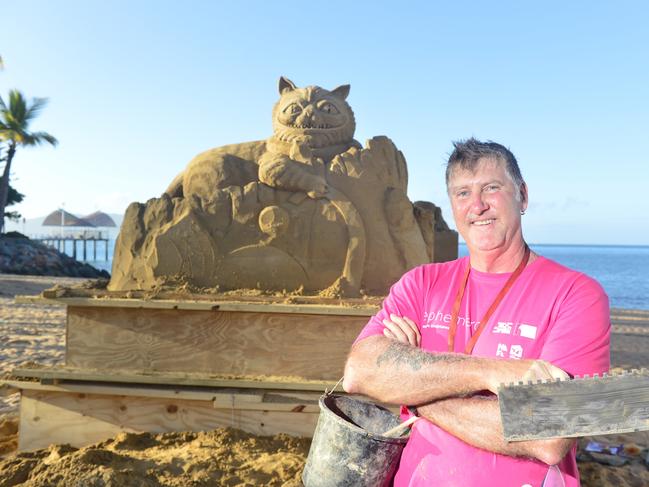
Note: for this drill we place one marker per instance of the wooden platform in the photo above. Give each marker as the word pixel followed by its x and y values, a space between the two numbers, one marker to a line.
pixel 79 407
pixel 160 365
pixel 307 341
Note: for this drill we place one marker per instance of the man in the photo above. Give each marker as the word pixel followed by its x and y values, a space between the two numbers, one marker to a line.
pixel 449 334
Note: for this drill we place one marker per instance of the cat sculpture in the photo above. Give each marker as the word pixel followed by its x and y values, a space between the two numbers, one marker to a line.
pixel 309 209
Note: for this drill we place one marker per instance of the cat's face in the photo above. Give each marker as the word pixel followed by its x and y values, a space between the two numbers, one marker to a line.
pixel 313 115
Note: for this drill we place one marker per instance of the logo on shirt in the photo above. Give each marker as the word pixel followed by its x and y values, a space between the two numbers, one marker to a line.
pixel 442 320
pixel 508 328
pixel 503 328
pixel 527 331
pixel 514 352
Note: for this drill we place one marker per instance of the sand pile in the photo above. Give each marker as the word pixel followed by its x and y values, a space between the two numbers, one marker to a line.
pixel 223 457
pixel 8 434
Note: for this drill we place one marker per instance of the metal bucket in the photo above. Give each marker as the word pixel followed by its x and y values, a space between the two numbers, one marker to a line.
pixel 347 446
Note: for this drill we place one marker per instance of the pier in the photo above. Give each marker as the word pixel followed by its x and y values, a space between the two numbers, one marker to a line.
pixel 77 230
pixel 60 243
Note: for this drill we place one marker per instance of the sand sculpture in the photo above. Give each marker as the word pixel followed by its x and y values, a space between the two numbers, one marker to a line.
pixel 307 209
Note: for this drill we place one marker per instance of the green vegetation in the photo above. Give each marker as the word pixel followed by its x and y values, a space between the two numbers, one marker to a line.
pixel 13 198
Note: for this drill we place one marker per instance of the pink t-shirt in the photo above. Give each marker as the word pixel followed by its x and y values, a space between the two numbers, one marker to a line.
pixel 551 313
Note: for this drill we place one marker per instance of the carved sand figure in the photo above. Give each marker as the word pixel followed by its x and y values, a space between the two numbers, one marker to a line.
pixel 308 208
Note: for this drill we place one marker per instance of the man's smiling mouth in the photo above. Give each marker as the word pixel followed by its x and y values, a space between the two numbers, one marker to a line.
pixel 483 222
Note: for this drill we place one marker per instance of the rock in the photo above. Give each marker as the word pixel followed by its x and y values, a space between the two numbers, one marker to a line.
pixel 20 255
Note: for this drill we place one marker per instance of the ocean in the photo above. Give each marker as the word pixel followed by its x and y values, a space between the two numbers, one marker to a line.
pixel 623 271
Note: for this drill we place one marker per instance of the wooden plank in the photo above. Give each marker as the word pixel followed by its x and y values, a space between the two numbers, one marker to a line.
pixel 215 342
pixel 48 417
pixel 203 305
pixel 199 394
pixel 63 375
pixel 224 398
pixel 268 401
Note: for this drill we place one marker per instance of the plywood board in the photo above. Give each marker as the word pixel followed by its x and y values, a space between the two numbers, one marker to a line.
pixel 216 342
pixel 48 417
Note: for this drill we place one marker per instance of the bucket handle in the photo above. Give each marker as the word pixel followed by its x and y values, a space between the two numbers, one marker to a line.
pixel 330 392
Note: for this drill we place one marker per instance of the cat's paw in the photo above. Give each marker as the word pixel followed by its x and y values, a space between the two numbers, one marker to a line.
pixel 319 189
pixel 301 152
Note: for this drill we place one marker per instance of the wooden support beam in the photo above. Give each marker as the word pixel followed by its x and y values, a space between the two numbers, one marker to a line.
pixel 48 417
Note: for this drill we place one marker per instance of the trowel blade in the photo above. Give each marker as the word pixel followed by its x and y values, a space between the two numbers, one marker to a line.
pixel 576 407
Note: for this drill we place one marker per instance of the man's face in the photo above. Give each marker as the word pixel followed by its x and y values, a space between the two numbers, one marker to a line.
pixel 486 206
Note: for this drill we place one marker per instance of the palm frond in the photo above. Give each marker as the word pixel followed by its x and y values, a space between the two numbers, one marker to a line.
pixel 42 137
pixel 37 105
pixel 17 106
pixel 15 117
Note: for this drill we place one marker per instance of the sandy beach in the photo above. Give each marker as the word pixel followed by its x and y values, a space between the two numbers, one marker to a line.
pixel 36 333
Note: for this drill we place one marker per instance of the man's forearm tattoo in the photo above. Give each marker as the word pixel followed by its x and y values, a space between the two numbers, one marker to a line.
pixel 399 353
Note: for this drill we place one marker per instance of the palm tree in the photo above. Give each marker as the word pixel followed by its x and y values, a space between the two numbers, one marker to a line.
pixel 14 131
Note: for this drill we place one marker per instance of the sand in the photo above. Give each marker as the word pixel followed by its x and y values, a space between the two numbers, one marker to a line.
pixel 220 457
pixel 36 334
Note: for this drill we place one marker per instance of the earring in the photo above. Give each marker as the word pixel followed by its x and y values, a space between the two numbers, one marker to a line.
pixel 522 212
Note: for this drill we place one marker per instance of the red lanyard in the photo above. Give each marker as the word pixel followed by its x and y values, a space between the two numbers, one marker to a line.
pixel 483 322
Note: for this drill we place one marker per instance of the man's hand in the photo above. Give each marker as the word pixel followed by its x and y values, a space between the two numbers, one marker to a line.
pixel 402 329
pixel 542 370
pixel 514 371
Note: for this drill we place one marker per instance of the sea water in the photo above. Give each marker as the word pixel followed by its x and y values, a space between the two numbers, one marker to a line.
pixel 623 271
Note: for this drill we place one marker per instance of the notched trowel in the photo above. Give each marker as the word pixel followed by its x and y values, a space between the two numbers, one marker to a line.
pixel 575 407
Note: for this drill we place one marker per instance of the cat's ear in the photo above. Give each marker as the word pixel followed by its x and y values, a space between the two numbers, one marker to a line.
pixel 286 85
pixel 341 92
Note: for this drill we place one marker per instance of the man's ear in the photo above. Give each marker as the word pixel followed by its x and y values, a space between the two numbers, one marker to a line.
pixel 524 196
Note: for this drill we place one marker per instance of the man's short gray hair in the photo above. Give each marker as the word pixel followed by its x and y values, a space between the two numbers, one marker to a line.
pixel 468 152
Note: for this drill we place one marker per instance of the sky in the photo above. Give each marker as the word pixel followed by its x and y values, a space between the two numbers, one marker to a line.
pixel 137 88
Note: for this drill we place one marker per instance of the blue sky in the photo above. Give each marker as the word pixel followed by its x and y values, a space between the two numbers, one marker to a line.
pixel 137 89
